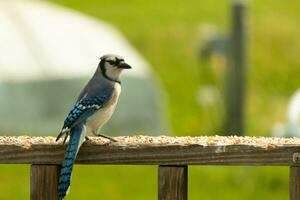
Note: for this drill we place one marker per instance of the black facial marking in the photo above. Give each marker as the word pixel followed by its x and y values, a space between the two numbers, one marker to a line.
pixel 118 61
pixel 111 62
pixel 103 70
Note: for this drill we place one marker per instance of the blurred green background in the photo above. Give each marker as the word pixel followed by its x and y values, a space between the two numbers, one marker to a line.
pixel 167 34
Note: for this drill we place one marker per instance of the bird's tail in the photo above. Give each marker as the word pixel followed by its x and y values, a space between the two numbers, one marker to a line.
pixel 76 139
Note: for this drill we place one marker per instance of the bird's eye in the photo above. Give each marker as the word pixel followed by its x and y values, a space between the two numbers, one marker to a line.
pixel 111 62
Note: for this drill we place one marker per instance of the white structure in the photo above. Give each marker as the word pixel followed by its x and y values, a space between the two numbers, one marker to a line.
pixel 292 126
pixel 54 42
pixel 48 53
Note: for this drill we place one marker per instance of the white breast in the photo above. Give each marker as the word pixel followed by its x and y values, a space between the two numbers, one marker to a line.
pixel 95 122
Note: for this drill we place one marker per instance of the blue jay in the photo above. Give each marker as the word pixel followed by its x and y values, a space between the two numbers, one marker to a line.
pixel 94 107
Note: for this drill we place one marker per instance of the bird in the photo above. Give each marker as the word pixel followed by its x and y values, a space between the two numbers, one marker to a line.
pixel 93 108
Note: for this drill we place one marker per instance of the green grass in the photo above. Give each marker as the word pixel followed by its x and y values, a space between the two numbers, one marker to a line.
pixel 167 35
pixel 140 182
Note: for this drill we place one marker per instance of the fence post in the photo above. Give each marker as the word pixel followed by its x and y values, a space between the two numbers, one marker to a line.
pixel 43 182
pixel 294 183
pixel 172 182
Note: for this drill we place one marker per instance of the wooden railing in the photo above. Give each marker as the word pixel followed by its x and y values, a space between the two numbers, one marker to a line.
pixel 171 154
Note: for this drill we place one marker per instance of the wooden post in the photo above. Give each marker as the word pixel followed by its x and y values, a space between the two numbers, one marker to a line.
pixel 172 182
pixel 236 71
pixel 294 183
pixel 44 182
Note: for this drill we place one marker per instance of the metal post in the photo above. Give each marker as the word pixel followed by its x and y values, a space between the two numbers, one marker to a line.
pixel 236 72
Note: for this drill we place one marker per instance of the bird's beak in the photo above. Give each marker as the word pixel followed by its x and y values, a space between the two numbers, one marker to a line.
pixel 124 65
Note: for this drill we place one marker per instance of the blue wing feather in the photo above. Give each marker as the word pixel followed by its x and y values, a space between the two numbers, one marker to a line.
pixel 81 111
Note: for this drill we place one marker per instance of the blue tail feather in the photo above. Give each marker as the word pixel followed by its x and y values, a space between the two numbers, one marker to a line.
pixel 70 156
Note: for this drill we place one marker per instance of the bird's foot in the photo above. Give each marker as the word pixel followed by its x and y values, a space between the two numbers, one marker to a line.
pixel 105 136
pixel 87 138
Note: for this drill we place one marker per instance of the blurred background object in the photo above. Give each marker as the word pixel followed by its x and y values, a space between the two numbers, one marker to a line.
pixel 167 34
pixel 236 73
pixel 291 128
pixel 230 53
pixel 214 45
pixel 47 55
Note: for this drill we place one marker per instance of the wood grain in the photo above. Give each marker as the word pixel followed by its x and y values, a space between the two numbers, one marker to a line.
pixel 163 150
pixel 43 182
pixel 172 183
pixel 294 183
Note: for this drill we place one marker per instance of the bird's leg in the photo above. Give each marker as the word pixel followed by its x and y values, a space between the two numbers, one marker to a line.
pixel 65 139
pixel 104 136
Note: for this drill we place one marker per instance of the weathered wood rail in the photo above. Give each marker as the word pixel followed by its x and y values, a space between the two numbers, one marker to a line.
pixel 171 154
